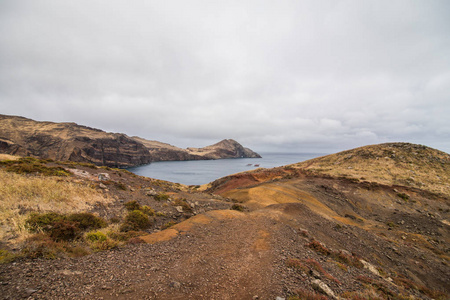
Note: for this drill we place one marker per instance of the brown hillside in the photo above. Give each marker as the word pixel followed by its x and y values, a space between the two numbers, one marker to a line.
pixel 283 233
pixel 72 142
pixel 391 163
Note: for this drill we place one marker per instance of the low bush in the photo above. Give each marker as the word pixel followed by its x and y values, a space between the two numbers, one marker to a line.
pixel 42 246
pixel 87 221
pixel 132 205
pixel 161 197
pixel 64 230
pixel 238 207
pixel 124 236
pixel 147 210
pixel 404 196
pixel 168 224
pixel 42 222
pixel 29 165
pixel 350 260
pixel 319 247
pixel 135 220
pixel 96 236
pixel 297 264
pixel 6 256
pixel 120 186
pixel 100 242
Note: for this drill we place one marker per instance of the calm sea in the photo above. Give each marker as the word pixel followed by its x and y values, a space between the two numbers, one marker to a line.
pixel 197 172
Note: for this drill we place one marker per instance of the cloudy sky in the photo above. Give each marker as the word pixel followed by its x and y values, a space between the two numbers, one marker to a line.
pixel 279 75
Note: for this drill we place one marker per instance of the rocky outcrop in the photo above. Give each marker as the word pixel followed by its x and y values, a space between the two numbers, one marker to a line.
pixel 72 142
pixel 223 149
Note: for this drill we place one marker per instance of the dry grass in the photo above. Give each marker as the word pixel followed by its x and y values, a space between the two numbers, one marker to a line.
pixel 8 157
pixel 21 194
pixel 393 163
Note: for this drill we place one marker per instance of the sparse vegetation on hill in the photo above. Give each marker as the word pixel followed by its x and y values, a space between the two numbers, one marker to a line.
pixel 392 164
pixel 82 144
pixel 305 231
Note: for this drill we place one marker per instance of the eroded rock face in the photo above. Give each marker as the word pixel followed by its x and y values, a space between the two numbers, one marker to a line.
pixel 72 142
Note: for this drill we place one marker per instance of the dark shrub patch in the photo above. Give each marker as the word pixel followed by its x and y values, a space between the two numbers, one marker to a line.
pixel 36 222
pixel 132 205
pixel 64 230
pixel 135 220
pixel 161 197
pixel 29 165
pixel 403 196
pixel 87 221
pixel 147 210
pixel 238 207
pixel 120 186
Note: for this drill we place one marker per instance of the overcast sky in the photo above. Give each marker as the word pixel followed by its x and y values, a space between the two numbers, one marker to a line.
pixel 279 75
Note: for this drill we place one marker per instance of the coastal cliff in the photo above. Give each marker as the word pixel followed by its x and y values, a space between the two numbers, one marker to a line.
pixel 73 142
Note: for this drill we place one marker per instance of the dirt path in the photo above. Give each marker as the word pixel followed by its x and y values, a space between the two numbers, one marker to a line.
pixel 225 259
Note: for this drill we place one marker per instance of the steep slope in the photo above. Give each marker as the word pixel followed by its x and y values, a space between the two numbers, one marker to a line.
pixel 69 142
pixel 72 142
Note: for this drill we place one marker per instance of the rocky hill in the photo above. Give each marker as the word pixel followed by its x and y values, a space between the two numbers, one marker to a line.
pixel 293 232
pixel 390 163
pixel 72 142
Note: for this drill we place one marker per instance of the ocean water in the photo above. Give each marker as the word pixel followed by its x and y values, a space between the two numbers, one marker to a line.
pixel 197 172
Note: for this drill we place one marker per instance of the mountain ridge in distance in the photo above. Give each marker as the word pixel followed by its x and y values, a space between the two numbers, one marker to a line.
pixel 78 143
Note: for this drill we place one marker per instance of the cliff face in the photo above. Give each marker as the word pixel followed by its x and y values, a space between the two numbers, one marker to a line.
pixel 69 141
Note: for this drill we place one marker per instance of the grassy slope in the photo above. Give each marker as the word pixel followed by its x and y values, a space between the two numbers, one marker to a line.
pixel 21 194
pixel 392 164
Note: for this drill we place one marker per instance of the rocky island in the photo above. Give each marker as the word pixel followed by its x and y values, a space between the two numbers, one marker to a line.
pixel 77 143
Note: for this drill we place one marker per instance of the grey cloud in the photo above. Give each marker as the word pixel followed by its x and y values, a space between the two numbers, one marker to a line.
pixel 275 75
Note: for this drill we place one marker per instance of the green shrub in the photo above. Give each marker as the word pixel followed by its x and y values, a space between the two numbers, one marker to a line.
pixel 135 220
pixel 31 165
pixel 168 224
pixel 6 256
pixel 42 222
pixel 104 245
pixel 404 196
pixel 147 210
pixel 132 205
pixel 96 236
pixel 114 220
pixel 161 197
pixel 124 236
pixel 87 221
pixel 238 207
